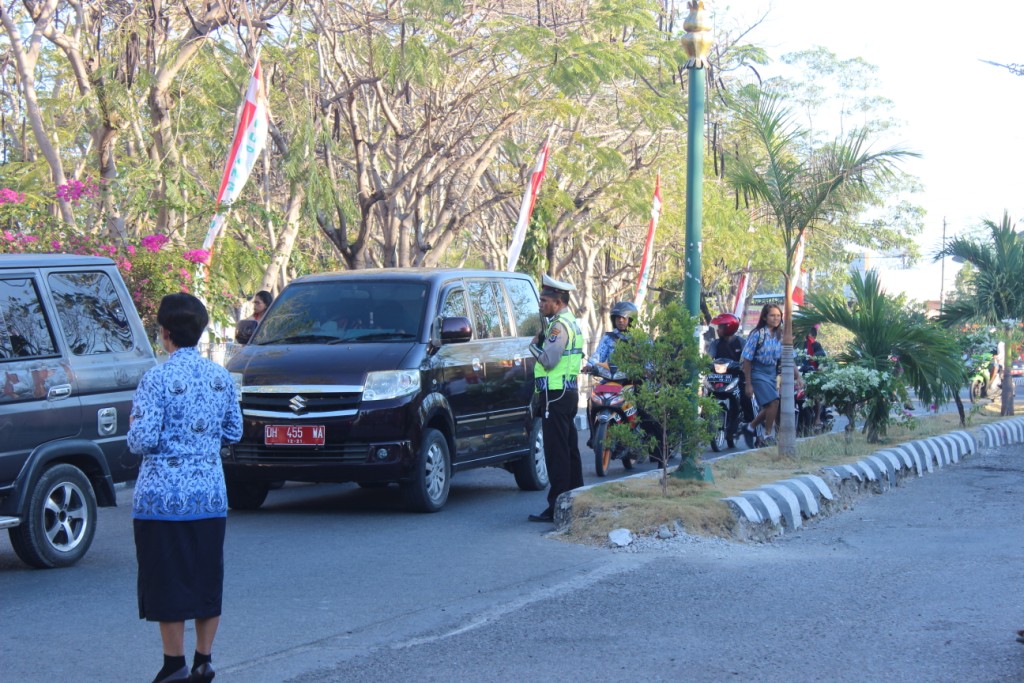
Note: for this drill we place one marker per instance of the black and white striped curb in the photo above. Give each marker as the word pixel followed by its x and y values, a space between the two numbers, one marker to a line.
pixel 786 504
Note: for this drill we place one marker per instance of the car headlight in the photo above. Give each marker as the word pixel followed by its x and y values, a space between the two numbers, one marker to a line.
pixel 386 384
pixel 236 378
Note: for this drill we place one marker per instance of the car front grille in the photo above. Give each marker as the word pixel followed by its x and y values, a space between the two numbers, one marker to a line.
pixel 345 454
pixel 301 401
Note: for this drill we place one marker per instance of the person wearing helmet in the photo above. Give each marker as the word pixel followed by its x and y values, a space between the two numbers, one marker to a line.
pixel 622 316
pixel 730 345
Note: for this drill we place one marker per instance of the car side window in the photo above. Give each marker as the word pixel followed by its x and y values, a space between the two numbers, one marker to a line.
pixel 525 307
pixel 91 314
pixel 454 305
pixel 24 329
pixel 490 314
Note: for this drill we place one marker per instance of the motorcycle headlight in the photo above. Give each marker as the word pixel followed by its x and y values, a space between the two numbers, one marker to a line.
pixel 721 368
pixel 386 384
pixel 616 400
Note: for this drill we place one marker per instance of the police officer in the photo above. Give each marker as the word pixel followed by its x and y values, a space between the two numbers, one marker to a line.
pixel 559 354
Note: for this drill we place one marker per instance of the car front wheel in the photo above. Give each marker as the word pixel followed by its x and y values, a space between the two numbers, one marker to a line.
pixel 531 472
pixel 60 521
pixel 427 489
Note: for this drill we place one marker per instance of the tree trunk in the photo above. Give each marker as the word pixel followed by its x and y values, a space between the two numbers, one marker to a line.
pixel 286 240
pixel 26 65
pixel 787 402
pixel 1008 387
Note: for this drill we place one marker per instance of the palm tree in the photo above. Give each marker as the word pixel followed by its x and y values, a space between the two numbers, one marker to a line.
pixel 883 328
pixel 795 189
pixel 995 295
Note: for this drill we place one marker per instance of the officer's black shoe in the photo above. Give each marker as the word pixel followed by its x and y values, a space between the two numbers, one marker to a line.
pixel 546 516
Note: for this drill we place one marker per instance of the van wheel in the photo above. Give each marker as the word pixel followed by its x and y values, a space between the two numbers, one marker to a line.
pixel 247 495
pixel 61 519
pixel 427 490
pixel 531 472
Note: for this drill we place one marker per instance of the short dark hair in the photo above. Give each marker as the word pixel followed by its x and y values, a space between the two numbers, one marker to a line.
pixel 263 295
pixel 184 317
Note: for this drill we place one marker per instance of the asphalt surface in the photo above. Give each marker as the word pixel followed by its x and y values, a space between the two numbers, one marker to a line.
pixel 925 583
pixel 335 583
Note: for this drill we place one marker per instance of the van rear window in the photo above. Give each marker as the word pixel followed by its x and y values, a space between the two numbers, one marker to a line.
pixel 335 312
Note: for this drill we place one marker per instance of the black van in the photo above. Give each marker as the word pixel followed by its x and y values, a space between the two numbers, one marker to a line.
pixel 72 350
pixel 389 376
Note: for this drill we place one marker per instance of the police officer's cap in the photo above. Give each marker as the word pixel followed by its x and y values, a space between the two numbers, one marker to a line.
pixel 550 284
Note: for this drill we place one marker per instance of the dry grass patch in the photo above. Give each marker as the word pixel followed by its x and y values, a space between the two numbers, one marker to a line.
pixel 639 505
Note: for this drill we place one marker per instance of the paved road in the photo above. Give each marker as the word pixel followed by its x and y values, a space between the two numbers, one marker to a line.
pixel 332 583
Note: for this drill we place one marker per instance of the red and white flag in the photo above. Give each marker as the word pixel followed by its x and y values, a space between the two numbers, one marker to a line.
pixel 797 275
pixel 529 200
pixel 250 137
pixel 645 264
pixel 741 293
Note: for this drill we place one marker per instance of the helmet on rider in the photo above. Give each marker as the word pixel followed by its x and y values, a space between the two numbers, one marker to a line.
pixel 727 324
pixel 624 309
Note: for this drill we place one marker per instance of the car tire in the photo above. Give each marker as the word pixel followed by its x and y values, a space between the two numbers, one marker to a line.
pixel 60 522
pixel 247 495
pixel 531 472
pixel 427 490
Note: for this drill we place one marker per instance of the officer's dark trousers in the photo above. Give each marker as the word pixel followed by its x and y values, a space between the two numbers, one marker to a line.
pixel 561 445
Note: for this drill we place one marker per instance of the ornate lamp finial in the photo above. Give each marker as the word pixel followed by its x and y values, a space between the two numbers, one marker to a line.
pixel 697 39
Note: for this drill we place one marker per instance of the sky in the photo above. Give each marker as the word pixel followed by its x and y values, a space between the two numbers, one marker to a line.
pixel 965 117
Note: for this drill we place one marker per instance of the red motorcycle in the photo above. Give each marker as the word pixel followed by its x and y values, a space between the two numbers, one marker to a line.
pixel 609 404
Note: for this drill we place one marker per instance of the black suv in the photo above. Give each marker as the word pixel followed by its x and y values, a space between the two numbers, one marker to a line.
pixel 389 375
pixel 72 350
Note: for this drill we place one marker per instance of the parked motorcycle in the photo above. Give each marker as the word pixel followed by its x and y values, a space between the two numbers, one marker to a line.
pixel 980 365
pixel 723 384
pixel 609 404
pixel 805 423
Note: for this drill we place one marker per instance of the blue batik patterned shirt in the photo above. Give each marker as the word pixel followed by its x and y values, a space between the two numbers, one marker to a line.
pixel 184 411
pixel 763 348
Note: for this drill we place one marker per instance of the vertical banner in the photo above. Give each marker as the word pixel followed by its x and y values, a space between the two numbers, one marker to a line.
pixel 741 293
pixel 797 274
pixel 250 137
pixel 529 200
pixel 645 264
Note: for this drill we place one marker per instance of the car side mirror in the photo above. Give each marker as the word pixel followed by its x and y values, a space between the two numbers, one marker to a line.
pixel 244 331
pixel 456 330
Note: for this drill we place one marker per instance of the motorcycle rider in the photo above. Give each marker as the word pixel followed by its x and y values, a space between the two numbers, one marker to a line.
pixel 730 345
pixel 622 316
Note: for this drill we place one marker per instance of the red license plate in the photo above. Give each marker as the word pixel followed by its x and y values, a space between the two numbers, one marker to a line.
pixel 293 435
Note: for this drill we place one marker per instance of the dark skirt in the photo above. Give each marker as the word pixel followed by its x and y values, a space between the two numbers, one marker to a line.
pixel 765 381
pixel 181 568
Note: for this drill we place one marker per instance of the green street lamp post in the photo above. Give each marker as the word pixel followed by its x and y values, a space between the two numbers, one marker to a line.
pixel 697 43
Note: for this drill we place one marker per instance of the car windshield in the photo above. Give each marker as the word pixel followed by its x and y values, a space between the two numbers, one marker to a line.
pixel 344 312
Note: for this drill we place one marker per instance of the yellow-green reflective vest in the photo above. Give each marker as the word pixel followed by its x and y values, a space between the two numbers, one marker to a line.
pixel 566 373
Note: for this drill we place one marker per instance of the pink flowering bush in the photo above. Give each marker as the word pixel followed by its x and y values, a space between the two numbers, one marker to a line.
pixel 197 256
pixel 75 190
pixel 150 272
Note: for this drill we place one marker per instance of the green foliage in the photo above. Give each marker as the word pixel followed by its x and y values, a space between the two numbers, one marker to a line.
pixel 664 351
pixel 856 389
pixel 889 337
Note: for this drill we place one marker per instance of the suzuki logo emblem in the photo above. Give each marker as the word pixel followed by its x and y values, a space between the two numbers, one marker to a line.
pixel 297 404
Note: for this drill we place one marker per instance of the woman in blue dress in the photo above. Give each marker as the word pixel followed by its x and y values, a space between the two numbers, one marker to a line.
pixel 761 354
pixel 184 411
